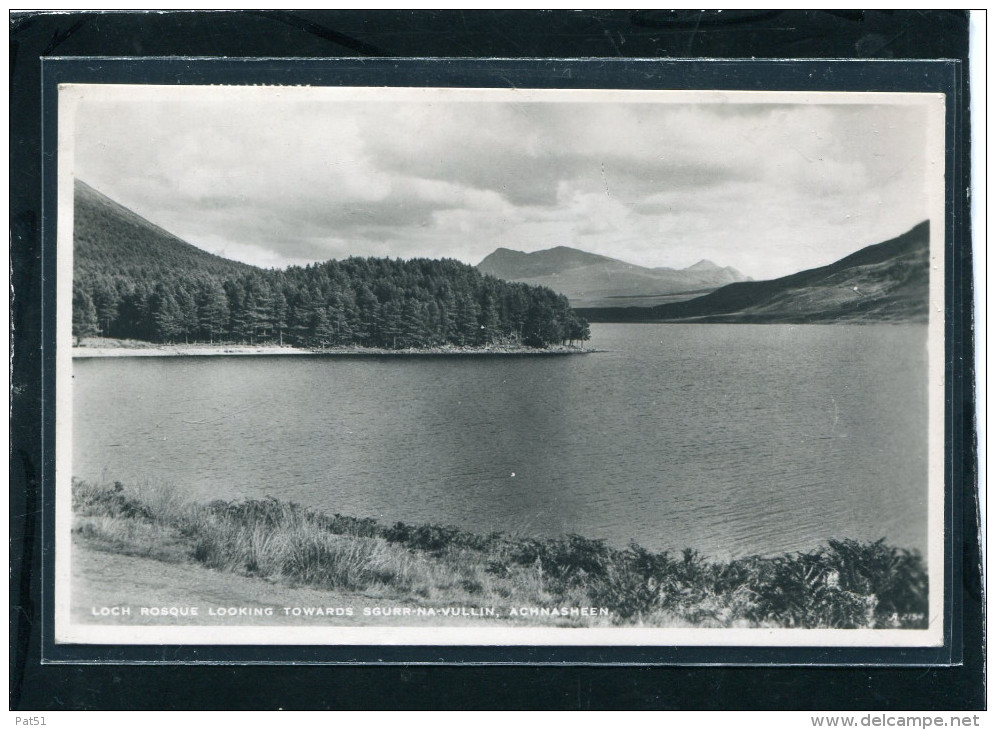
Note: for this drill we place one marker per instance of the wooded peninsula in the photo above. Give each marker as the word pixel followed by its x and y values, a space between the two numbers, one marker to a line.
pixel 133 280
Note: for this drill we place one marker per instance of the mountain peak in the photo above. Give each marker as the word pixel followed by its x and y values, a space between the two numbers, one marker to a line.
pixel 703 265
pixel 508 264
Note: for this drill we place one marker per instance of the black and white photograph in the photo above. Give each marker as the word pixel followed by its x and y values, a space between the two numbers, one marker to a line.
pixel 468 366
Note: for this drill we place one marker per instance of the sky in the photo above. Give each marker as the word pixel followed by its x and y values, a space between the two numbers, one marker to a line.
pixel 280 176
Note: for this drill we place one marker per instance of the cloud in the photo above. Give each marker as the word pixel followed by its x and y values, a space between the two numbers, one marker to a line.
pixel 769 188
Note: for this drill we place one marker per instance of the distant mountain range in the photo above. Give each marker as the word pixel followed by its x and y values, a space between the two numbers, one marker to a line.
pixel 883 282
pixel 591 280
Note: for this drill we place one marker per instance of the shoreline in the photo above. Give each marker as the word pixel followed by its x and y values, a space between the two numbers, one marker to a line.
pixel 206 350
pixel 426 567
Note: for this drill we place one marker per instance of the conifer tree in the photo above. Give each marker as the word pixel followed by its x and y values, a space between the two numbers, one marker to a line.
pixel 84 315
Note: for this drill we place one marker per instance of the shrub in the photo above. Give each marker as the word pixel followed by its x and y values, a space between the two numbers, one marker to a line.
pixel 436 538
pixel 897 578
pixel 95 500
pixel 357 527
pixel 423 537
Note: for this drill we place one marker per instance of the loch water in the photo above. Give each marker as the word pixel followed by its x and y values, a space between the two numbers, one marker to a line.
pixel 730 439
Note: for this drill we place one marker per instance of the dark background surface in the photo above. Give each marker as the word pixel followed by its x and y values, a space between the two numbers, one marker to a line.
pixel 604 34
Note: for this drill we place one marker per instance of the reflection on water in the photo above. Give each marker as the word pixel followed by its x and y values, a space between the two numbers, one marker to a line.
pixel 732 439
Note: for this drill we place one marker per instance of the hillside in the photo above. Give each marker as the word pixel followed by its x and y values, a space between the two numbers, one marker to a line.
pixel 109 237
pixel 591 280
pixel 884 282
pixel 132 280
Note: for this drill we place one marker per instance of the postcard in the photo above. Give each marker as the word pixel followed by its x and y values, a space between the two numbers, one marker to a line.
pixel 499 367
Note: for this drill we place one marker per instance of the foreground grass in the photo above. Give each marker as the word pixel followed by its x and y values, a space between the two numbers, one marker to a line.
pixel 845 584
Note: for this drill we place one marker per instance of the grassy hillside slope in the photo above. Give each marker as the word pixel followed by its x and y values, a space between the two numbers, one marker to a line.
pixel 108 237
pixel 885 282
